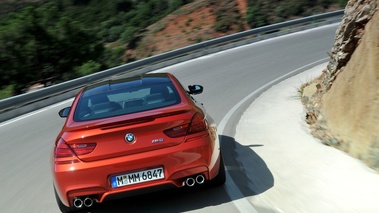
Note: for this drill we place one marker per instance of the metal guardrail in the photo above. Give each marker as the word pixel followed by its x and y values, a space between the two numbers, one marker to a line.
pixel 18 105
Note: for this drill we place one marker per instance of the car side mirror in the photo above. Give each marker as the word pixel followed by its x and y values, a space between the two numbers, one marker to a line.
pixel 195 89
pixel 63 113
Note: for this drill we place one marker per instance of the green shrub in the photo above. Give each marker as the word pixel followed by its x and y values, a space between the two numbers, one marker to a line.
pixel 342 3
pixel 325 3
pixel 6 91
pixel 188 22
pixel 112 57
pixel 255 17
pixel 129 34
pixel 88 68
pixel 227 17
pixel 223 26
pixel 264 12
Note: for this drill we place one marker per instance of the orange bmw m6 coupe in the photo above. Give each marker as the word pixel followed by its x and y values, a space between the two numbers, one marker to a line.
pixel 130 135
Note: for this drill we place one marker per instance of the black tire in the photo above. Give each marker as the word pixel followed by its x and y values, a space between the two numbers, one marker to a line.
pixel 221 177
pixel 62 207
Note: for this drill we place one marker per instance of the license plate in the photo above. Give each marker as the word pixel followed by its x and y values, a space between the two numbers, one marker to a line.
pixel 137 177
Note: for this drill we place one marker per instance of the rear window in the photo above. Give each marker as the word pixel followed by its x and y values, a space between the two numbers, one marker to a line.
pixel 106 103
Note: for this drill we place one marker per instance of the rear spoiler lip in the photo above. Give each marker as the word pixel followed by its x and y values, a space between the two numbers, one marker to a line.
pixel 145 119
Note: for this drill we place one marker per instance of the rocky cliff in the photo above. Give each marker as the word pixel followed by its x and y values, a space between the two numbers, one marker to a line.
pixel 343 107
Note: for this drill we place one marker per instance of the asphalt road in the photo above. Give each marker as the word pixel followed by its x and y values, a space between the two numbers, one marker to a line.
pixel 231 80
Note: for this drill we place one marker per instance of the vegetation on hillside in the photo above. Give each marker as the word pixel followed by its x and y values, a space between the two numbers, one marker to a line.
pixel 50 41
pixel 53 41
pixel 265 12
pixel 228 17
pixel 37 44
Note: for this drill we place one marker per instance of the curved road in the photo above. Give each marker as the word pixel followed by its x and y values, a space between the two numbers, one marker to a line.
pixel 232 79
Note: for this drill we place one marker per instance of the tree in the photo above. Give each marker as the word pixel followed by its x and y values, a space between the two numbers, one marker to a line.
pixel 37 46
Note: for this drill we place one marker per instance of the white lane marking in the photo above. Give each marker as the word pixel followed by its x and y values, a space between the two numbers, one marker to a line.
pixel 242 204
pixel 35 112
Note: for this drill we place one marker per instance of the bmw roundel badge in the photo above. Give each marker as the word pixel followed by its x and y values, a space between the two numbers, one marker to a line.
pixel 130 137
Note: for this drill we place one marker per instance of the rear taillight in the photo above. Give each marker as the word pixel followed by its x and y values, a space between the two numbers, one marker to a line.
pixel 83 149
pixel 178 131
pixel 63 150
pixel 198 124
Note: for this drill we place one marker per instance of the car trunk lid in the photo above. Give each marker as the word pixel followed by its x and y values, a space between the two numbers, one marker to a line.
pixel 144 130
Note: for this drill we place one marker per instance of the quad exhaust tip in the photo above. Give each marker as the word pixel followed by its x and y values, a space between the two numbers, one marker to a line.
pixel 199 179
pixel 88 202
pixel 190 182
pixel 79 202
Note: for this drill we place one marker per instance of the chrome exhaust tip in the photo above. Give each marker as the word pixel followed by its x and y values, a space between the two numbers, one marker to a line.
pixel 88 202
pixel 200 179
pixel 190 182
pixel 78 203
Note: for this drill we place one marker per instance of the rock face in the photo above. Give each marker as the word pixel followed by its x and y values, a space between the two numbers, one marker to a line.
pixel 344 109
pixel 357 14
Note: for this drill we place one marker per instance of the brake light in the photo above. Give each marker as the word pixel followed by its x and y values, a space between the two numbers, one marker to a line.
pixel 198 124
pixel 83 149
pixel 63 150
pixel 178 131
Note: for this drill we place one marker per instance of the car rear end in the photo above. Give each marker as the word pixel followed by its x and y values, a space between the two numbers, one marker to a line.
pixel 145 142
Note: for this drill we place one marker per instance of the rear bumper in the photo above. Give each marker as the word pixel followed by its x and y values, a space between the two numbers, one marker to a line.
pixel 198 156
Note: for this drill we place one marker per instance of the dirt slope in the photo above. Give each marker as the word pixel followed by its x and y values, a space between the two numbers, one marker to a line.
pixel 193 23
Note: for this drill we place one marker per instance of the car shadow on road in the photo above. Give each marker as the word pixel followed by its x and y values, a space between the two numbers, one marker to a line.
pixel 200 197
pixel 247 169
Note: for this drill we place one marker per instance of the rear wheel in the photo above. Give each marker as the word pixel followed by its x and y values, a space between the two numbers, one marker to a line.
pixel 62 207
pixel 221 177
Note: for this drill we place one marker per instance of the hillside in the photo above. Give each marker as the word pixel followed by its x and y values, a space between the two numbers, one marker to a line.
pixel 203 20
pixel 193 23
pixel 111 33
pixel 344 106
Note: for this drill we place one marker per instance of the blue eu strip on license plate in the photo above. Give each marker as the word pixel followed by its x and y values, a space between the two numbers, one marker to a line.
pixel 137 177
